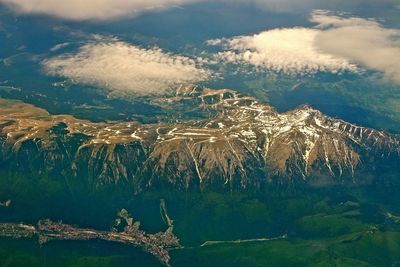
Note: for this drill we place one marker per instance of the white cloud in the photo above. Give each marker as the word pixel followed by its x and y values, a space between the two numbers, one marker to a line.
pixel 59 46
pixel 124 68
pixel 289 51
pixel 361 41
pixel 337 43
pixel 89 9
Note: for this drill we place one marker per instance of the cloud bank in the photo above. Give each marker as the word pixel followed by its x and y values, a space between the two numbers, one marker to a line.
pixel 362 41
pixel 338 43
pixel 308 5
pixel 108 9
pixel 289 51
pixel 124 68
pixel 89 9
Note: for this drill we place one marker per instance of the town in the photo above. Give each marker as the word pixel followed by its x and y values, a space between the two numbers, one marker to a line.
pixel 157 244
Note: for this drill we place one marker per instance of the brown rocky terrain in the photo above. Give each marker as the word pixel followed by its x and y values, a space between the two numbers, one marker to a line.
pixel 242 144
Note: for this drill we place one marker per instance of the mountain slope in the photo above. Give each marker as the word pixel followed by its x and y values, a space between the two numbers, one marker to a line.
pixel 235 142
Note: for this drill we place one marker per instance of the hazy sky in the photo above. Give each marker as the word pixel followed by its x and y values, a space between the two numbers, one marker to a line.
pixel 337 42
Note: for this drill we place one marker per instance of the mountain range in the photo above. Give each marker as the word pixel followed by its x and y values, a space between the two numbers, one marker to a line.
pixel 233 142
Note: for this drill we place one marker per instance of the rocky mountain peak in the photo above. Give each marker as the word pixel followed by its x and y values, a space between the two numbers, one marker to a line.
pixel 242 143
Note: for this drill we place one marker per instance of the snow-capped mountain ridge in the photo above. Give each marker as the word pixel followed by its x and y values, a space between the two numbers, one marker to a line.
pixel 242 144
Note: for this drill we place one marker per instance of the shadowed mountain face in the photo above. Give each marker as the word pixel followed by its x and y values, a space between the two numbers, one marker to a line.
pixel 237 144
